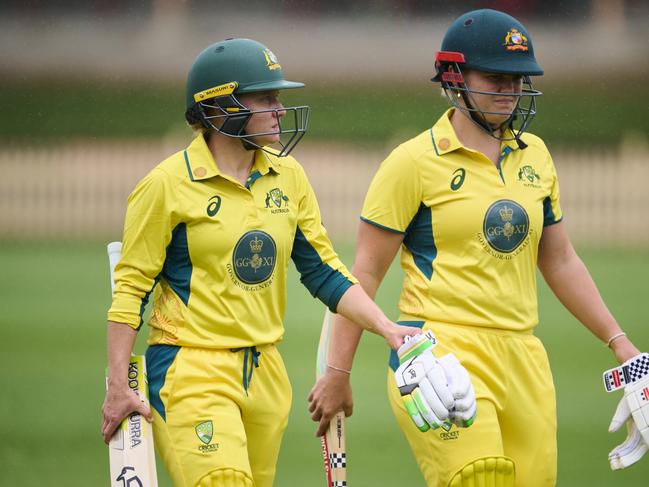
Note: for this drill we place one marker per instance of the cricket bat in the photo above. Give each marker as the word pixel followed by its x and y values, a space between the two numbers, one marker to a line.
pixel 333 441
pixel 132 459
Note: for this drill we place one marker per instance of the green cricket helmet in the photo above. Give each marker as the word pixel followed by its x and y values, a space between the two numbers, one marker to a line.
pixel 491 42
pixel 233 67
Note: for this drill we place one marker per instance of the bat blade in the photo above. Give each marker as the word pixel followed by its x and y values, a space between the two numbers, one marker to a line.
pixel 333 441
pixel 131 453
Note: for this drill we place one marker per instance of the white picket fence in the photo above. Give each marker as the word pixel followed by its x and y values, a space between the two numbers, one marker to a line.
pixel 79 190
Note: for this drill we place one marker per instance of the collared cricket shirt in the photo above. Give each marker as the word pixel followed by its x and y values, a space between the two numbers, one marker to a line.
pixel 215 252
pixel 471 229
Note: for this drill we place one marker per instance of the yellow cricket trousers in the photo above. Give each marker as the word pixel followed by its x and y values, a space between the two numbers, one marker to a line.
pixel 219 415
pixel 516 403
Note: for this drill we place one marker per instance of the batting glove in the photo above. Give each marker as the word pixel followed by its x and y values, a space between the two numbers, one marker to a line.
pixel 459 382
pixel 436 393
pixel 633 410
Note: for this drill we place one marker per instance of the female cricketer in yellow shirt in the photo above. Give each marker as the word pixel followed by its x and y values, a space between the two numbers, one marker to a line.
pixel 473 203
pixel 209 232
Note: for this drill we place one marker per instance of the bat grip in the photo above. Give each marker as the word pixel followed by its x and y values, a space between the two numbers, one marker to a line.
pixel 114 254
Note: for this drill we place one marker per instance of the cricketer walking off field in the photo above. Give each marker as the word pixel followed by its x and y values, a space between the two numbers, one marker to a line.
pixel 208 235
pixel 474 205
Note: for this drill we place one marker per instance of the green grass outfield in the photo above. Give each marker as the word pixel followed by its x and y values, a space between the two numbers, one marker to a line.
pixel 53 300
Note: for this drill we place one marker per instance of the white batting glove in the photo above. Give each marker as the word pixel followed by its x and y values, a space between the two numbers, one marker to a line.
pixel 436 393
pixel 633 410
pixel 459 382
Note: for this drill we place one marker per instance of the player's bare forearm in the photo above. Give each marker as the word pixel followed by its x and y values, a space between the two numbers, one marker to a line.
pixel 359 309
pixel 332 391
pixel 369 270
pixel 120 340
pixel 120 399
pixel 375 251
pixel 573 285
pixel 343 342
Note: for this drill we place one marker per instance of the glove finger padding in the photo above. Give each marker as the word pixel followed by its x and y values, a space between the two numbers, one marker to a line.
pixel 414 413
pixel 457 376
pixel 464 412
pixel 637 398
pixel 424 406
pixel 633 410
pixel 437 376
pixel 433 400
pixel 464 419
pixel 621 416
pixel 630 451
pixel 466 403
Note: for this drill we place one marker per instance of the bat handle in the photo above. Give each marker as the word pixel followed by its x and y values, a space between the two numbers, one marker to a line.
pixel 114 254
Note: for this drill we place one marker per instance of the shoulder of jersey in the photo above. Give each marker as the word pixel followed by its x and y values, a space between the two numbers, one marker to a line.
pixel 173 166
pixel 414 148
pixel 158 179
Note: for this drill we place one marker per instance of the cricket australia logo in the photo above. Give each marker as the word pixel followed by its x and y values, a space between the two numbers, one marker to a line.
pixel 529 176
pixel 253 259
pixel 204 431
pixel 506 225
pixel 515 40
pixel 276 197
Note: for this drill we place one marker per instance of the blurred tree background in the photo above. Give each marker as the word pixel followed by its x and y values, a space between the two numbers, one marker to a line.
pixel 115 69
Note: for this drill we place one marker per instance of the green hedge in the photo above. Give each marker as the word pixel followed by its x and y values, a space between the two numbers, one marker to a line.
pixel 575 113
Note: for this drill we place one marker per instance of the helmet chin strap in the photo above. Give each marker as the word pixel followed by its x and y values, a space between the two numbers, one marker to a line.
pixel 481 122
pixel 477 119
pixel 248 145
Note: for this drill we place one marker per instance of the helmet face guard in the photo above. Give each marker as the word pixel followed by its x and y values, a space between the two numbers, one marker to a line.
pixel 228 116
pixel 451 77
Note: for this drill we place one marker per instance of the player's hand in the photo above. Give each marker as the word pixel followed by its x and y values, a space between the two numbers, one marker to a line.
pixel 118 404
pixel 331 393
pixel 435 392
pixel 396 335
pixel 633 410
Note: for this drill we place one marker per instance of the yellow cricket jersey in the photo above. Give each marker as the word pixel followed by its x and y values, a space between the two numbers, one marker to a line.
pixel 471 229
pixel 215 252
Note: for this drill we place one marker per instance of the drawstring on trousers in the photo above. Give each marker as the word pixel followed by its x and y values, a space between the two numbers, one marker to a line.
pixel 254 359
